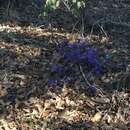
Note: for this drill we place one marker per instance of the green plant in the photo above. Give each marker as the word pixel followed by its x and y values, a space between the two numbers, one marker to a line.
pixel 73 6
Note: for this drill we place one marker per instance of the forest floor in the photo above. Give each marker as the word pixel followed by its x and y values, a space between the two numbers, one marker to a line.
pixel 28 103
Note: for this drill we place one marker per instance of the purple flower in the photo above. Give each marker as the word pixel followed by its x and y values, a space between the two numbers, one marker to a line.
pixel 92 56
pixel 69 79
pixel 56 69
pixel 98 69
pixel 69 70
pixel 62 70
pixel 75 54
pixel 72 56
pixel 53 82
pixel 92 90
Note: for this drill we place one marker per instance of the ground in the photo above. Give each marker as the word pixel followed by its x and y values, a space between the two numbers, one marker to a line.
pixel 28 103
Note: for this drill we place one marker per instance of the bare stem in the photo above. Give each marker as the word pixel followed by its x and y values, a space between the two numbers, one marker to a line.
pixel 83 75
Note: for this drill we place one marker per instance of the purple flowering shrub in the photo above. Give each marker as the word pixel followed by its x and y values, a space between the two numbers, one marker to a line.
pixel 78 57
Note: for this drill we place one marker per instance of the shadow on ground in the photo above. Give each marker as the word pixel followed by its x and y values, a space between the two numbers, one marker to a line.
pixel 24 67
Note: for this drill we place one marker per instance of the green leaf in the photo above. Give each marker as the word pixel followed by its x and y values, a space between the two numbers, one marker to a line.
pixel 80 4
pixel 74 6
pixel 74 1
pixel 52 4
pixel 58 3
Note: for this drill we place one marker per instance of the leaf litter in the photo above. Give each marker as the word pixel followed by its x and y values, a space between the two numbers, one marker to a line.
pixel 26 101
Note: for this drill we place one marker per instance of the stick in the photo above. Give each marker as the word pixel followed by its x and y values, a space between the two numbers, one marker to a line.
pixel 83 75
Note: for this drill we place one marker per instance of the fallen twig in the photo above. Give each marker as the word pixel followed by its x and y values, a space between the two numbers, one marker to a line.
pixel 83 75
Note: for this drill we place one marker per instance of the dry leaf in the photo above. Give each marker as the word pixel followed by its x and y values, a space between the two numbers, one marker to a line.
pixel 39 107
pixel 49 104
pixel 109 119
pixel 24 127
pixel 45 114
pixel 2 90
pixel 60 103
pixel 96 117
